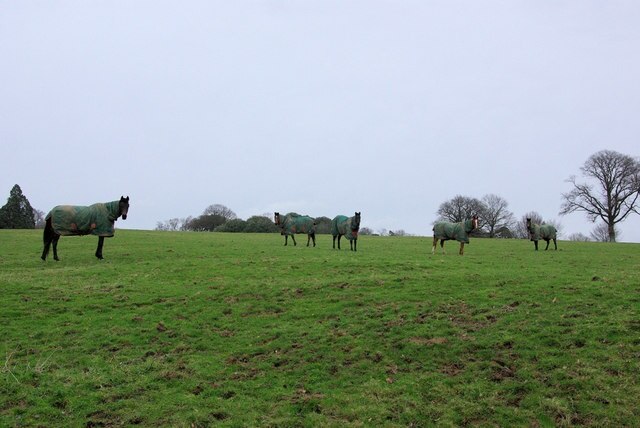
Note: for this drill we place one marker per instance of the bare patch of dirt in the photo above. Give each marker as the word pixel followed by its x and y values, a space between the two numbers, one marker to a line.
pixel 452 369
pixel 429 342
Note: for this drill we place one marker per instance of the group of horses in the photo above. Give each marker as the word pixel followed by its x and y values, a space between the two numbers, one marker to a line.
pixel 98 219
pixel 341 225
pixel 445 231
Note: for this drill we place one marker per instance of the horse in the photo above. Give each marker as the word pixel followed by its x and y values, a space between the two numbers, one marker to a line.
pixel 71 220
pixel 294 223
pixel 445 230
pixel 545 231
pixel 347 226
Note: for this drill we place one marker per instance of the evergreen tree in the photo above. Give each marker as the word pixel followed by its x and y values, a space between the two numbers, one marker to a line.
pixel 17 213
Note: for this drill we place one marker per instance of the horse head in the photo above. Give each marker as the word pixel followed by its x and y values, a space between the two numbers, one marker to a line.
pixel 528 224
pixel 276 218
pixel 123 207
pixel 474 222
pixel 355 224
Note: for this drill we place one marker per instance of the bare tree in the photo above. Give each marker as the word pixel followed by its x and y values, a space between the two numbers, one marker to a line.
pixel 38 217
pixel 578 237
pixel 496 216
pixel 461 208
pixel 614 196
pixel 173 224
pixel 365 231
pixel 220 210
pixel 600 233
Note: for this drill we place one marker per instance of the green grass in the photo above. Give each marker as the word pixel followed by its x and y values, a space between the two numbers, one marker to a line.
pixel 195 329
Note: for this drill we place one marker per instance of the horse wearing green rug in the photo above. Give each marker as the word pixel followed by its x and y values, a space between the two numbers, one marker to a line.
pixel 347 226
pixel 294 223
pixel 545 231
pixel 445 230
pixel 71 220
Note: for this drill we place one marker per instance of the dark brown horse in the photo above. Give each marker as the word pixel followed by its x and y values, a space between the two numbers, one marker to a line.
pixel 545 231
pixel 347 226
pixel 70 220
pixel 294 223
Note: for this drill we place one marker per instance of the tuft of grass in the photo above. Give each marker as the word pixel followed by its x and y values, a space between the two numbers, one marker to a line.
pixel 195 329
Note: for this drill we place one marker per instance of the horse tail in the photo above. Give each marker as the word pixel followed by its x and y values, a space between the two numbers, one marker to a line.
pixel 48 234
pixel 47 237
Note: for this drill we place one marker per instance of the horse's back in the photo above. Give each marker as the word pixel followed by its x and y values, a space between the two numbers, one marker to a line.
pixel 547 232
pixel 339 225
pixel 307 224
pixel 446 230
pixel 299 224
pixel 443 230
pixel 70 220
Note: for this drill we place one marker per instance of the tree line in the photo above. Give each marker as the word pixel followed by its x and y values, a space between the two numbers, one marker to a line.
pixel 608 197
pixel 219 218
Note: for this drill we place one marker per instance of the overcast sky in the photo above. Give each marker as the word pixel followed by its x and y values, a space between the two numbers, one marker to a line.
pixel 320 107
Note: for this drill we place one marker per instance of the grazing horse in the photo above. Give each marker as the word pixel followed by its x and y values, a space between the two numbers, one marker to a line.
pixel 347 226
pixel 546 232
pixel 459 231
pixel 295 223
pixel 70 220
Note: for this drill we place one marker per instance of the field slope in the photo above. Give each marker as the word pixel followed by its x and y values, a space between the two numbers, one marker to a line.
pixel 196 329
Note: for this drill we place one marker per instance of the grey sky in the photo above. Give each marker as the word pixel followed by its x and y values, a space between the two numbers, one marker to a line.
pixel 318 107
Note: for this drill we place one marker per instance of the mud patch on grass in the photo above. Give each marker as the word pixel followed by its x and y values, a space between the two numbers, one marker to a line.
pixel 429 341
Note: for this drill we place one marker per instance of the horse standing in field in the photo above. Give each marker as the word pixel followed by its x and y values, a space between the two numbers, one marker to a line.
pixel 294 223
pixel 459 231
pixel 545 231
pixel 347 226
pixel 70 220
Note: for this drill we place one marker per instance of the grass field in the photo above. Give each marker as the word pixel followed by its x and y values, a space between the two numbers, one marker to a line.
pixel 197 329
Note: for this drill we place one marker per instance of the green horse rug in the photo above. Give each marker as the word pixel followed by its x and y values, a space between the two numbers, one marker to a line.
pixel 97 219
pixel 294 223
pixel 545 231
pixel 348 227
pixel 445 231
pixel 73 220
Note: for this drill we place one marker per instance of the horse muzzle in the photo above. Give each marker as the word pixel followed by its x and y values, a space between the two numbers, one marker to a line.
pixel 124 216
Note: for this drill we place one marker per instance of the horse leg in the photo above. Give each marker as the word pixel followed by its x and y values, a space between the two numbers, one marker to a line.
pixel 555 244
pixel 45 250
pixel 47 237
pixel 547 247
pixel 99 249
pixel 435 242
pixel 334 242
pixel 536 244
pixel 313 236
pixel 293 238
pixel 56 237
pixel 355 245
pixel 286 239
pixel 462 248
pixel 442 246
pixel 339 236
